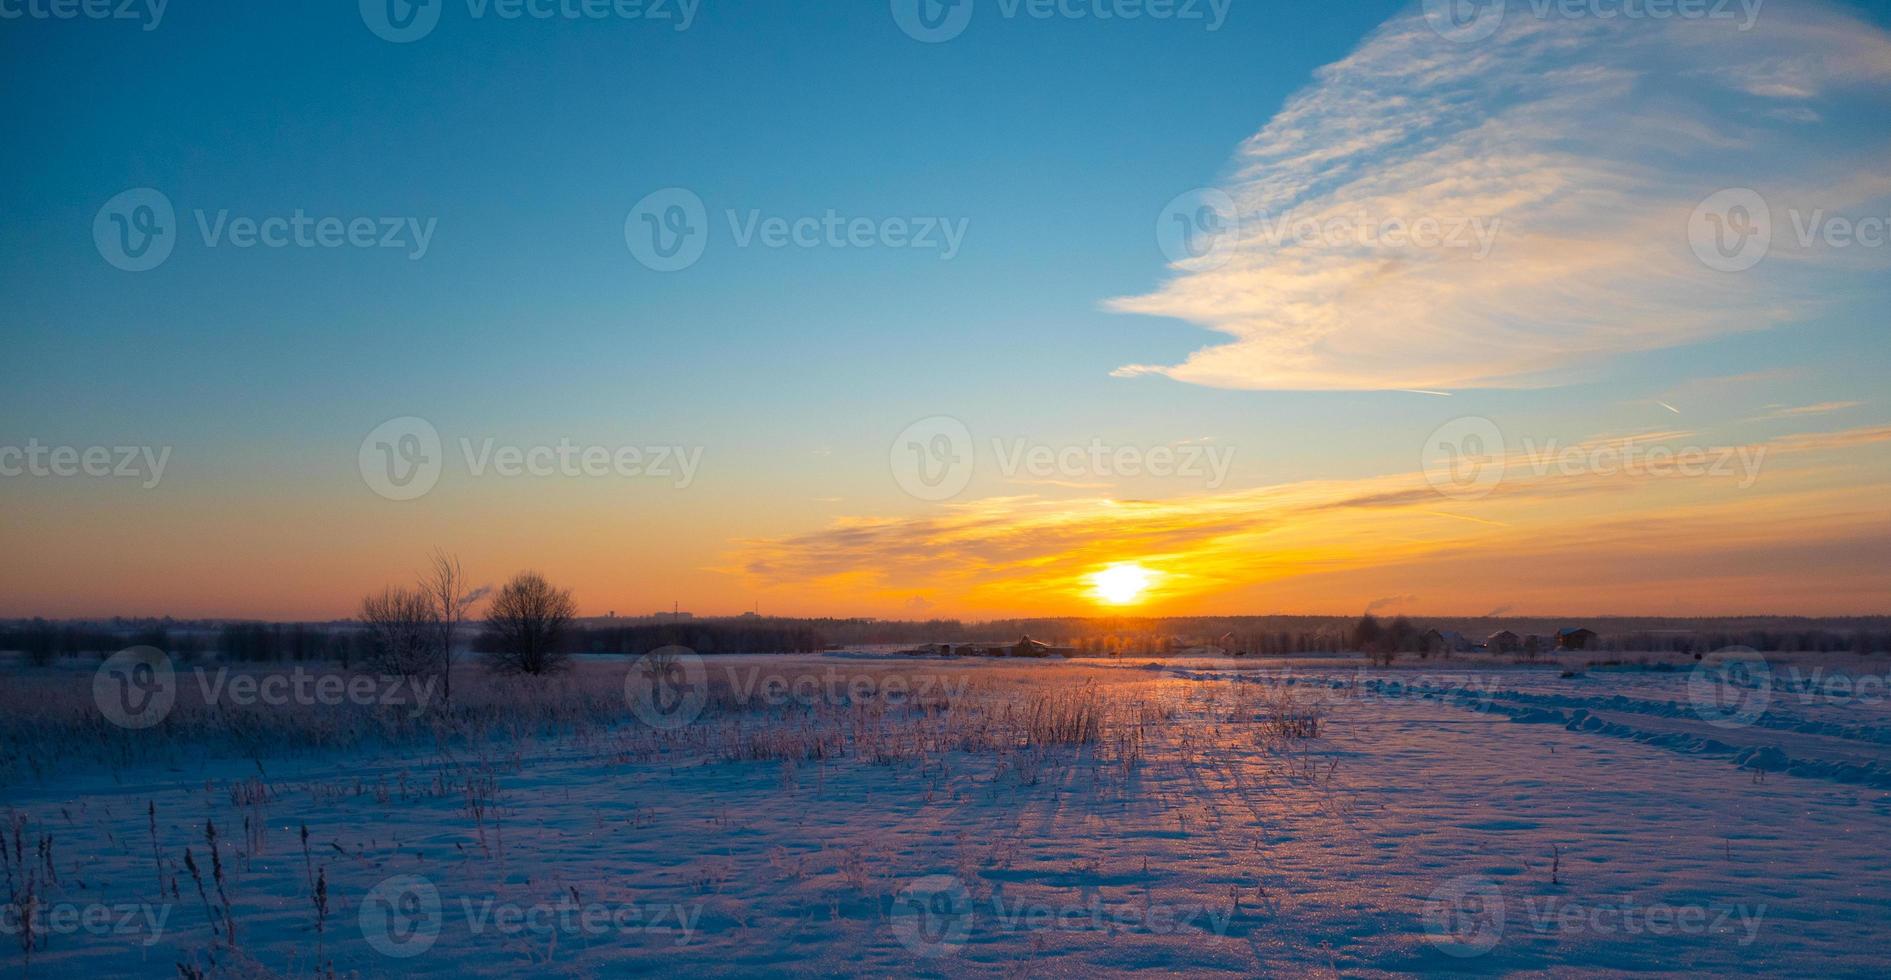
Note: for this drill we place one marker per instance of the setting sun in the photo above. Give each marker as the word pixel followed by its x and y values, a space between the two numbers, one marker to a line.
pixel 1121 583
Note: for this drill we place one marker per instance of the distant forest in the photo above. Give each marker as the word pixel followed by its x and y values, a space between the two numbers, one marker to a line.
pixel 347 641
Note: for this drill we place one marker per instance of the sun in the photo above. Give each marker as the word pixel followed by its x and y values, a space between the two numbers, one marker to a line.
pixel 1121 583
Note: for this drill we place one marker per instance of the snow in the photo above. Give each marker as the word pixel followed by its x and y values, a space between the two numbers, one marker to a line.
pixel 1486 818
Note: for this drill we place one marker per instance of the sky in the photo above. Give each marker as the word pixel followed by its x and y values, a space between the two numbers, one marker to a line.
pixel 906 309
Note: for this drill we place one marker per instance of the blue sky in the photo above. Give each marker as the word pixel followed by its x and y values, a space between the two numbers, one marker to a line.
pixel 1056 142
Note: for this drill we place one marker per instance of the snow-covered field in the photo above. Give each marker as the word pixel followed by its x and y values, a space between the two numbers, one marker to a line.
pixel 866 815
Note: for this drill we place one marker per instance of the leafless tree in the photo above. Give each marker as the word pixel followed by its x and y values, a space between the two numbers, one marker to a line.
pixel 527 620
pixel 450 597
pixel 401 623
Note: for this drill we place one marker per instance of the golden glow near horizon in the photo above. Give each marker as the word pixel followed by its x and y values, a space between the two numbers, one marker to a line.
pixel 1121 583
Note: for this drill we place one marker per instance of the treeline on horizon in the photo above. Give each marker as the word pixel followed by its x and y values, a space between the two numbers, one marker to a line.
pixel 705 636
pixel 1283 635
pixel 349 642
pixel 43 641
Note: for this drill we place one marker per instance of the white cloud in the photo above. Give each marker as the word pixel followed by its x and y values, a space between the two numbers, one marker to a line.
pixel 1586 144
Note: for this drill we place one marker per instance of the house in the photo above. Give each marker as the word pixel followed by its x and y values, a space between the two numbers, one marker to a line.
pixel 1575 638
pixel 1504 641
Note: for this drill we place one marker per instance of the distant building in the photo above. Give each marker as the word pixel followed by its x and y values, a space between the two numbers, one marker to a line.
pixel 1575 638
pixel 1443 641
pixel 1028 647
pixel 1504 641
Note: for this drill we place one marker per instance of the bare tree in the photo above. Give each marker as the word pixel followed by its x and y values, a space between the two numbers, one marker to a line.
pixel 527 619
pixel 444 585
pixel 401 624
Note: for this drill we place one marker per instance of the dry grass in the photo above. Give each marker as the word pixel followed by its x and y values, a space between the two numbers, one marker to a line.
pixel 1033 716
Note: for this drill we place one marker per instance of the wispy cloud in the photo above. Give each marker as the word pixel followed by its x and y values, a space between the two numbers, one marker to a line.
pixel 1823 441
pixel 1586 143
pixel 1800 411
pixel 1013 553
